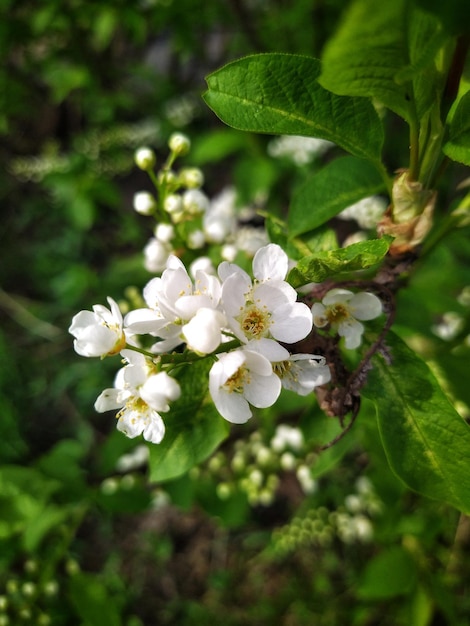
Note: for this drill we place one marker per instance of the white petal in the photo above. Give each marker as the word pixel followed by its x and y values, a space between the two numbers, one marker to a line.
pixel 203 332
pixel 269 348
pixel 109 400
pixel 131 423
pixel 234 289
pixel 232 406
pixel 151 292
pixel 155 429
pixel 187 306
pixel 291 322
pixel 257 363
pixel 226 269
pixel 270 263
pixel 262 391
pixel 365 306
pixel 318 314
pixel 225 367
pixel 337 295
pixel 158 389
pixel 142 321
pixel 352 332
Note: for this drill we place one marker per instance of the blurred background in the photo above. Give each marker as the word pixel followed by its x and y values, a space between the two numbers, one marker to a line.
pixel 252 536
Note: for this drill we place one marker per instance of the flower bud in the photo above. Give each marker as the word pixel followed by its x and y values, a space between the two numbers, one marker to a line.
pixel 191 177
pixel 179 144
pixel 145 159
pixel 164 232
pixel 144 203
pixel 409 218
pixel 195 202
pixel 173 204
pixel 196 240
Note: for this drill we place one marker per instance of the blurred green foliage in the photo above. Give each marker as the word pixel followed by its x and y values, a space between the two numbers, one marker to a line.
pixel 84 539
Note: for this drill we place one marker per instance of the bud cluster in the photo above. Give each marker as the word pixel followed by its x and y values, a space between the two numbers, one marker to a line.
pixel 351 522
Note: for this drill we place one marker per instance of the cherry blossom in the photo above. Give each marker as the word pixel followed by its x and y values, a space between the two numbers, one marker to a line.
pixel 240 378
pixel 267 306
pixel 98 333
pixel 341 309
pixel 141 395
pixel 303 372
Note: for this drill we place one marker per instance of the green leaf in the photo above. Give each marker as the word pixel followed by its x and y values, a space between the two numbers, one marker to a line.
pixel 457 147
pixel 389 574
pixel 322 265
pixel 194 428
pixel 426 441
pixel 367 52
pixel 386 51
pixel 339 184
pixel 454 14
pixel 93 603
pixel 279 94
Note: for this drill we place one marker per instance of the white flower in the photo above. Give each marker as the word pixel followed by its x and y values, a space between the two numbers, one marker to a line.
pixel 265 307
pixel 144 203
pixel 98 332
pixel 220 217
pixel 203 332
pixel 240 378
pixel 303 372
pixel 342 309
pixel 141 396
pixel 173 301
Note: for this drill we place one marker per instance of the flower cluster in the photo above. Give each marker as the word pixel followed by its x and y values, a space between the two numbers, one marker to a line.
pixel 238 322
pixel 242 322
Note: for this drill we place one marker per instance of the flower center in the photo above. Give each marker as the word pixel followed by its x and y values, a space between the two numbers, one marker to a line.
pixel 135 405
pixel 337 313
pixel 255 322
pixel 282 368
pixel 237 381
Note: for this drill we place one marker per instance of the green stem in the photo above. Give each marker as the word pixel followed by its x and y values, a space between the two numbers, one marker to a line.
pixel 414 149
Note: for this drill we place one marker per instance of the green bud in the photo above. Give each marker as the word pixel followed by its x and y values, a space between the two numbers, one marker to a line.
pixel 145 159
pixel 179 144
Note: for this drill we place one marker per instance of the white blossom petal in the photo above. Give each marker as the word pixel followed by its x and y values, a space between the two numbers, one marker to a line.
pixel 291 322
pixel 270 263
pixel 365 306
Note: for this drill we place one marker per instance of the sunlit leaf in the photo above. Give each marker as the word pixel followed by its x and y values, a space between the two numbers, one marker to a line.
pixel 322 265
pixel 339 184
pixel 279 94
pixel 426 441
pixel 194 428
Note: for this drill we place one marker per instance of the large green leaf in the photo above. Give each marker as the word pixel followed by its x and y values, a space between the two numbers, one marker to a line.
pixel 458 146
pixel 339 184
pixel 322 265
pixel 426 441
pixel 279 94
pixel 386 51
pixel 193 427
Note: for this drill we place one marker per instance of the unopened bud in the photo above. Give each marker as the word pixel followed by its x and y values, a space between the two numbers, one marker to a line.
pixel 173 204
pixel 191 177
pixel 145 159
pixel 144 203
pixel 179 144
